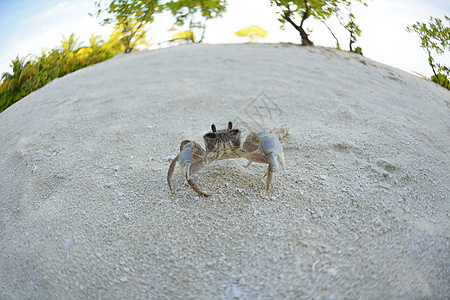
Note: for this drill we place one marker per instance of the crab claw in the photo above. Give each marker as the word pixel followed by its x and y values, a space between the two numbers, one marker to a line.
pixel 272 148
pixel 265 148
pixel 192 159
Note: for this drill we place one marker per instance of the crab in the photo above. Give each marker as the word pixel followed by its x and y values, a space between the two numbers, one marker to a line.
pixel 259 147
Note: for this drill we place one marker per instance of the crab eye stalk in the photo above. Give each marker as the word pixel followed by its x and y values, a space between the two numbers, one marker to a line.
pixel 213 128
pixel 230 125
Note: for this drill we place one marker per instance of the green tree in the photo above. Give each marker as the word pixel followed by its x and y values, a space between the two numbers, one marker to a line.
pixel 196 12
pixel 16 85
pixel 344 13
pixel 47 67
pixel 129 17
pixel 92 54
pixel 296 12
pixel 112 47
pixel 69 51
pixel 21 72
pixel 71 44
pixel 292 10
pixel 435 39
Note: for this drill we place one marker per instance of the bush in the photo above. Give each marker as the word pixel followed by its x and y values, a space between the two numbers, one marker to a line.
pixel 29 76
pixel 441 79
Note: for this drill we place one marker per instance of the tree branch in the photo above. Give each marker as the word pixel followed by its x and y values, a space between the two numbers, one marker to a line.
pixel 128 49
pixel 430 61
pixel 286 16
pixel 332 33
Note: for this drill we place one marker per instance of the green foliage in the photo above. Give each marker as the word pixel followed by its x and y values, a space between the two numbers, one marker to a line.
pixel 343 12
pixel 130 34
pixel 253 31
pixel 358 50
pixel 292 10
pixel 30 75
pixel 296 12
pixel 14 84
pixel 442 79
pixel 185 9
pixel 196 12
pixel 129 17
pixel 435 39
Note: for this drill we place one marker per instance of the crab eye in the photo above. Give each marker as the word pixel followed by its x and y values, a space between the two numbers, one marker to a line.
pixel 233 132
pixel 210 136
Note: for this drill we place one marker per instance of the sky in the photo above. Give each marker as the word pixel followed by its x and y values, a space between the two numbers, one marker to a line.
pixel 29 26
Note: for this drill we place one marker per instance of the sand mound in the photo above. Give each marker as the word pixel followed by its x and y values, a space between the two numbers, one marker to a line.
pixel 362 209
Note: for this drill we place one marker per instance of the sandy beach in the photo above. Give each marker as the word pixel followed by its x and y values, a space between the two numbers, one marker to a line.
pixel 362 209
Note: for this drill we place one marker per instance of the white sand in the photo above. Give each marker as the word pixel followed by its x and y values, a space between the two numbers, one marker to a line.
pixel 362 210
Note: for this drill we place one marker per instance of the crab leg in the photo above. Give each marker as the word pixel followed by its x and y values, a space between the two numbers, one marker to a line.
pixel 170 173
pixel 272 148
pixel 192 159
pixel 196 188
pixel 269 177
